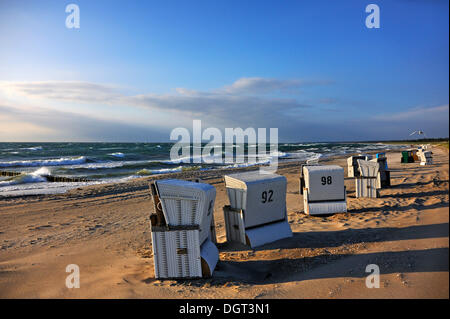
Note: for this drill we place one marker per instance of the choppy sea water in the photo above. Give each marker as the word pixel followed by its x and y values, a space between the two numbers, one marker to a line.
pixel 117 162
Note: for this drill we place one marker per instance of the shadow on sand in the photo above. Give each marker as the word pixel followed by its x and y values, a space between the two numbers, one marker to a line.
pixel 344 265
pixel 281 270
pixel 323 239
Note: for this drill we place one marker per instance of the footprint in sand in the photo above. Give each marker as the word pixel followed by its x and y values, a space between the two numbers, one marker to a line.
pixel 65 224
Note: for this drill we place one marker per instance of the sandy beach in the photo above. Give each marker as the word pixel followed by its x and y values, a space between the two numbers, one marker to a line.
pixel 104 229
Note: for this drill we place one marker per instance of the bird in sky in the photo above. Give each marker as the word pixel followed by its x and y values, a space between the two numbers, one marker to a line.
pixel 418 133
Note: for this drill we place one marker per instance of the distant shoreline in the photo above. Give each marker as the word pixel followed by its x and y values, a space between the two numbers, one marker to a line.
pixel 426 140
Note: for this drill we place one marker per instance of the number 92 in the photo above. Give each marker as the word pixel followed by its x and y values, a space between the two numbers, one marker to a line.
pixel 267 196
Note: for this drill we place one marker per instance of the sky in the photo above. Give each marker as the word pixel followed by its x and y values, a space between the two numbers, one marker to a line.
pixel 135 70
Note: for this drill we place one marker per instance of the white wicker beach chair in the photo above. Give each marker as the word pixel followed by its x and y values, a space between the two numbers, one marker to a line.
pixel 366 182
pixel 257 211
pixel 183 238
pixel 352 164
pixel 426 157
pixel 323 189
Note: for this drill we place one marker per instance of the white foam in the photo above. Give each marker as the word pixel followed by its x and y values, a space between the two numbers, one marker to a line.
pixel 46 162
pixel 97 165
pixel 37 148
pixel 102 165
pixel 117 154
pixel 42 171
pixel 23 179
pixel 278 154
pixel 41 188
pixel 159 171
pixel 35 177
pixel 195 159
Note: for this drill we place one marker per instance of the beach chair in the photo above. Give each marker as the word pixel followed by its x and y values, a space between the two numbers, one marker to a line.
pixel 366 182
pixel 407 157
pixel 415 155
pixel 383 175
pixel 257 212
pixel 426 157
pixel 381 157
pixel 182 229
pixel 352 165
pixel 323 189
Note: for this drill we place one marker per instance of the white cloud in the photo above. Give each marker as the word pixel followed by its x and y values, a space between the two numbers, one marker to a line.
pixel 237 105
pixel 41 124
pixel 421 114
pixel 218 107
pixel 257 85
pixel 75 91
pixel 224 106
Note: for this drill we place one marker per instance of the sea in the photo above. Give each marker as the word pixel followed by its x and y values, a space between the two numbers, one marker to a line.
pixel 98 163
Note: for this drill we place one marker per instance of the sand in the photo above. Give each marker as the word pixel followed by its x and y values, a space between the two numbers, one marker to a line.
pixel 104 229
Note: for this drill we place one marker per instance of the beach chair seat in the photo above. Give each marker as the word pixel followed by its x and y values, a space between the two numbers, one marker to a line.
pixel 426 157
pixel 257 212
pixel 182 227
pixel 407 157
pixel 384 175
pixel 179 253
pixel 382 159
pixel 323 189
pixel 352 165
pixel 415 155
pixel 366 183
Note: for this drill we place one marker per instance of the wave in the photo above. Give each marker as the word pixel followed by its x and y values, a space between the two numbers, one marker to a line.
pixel 242 165
pixel 221 158
pixel 45 162
pixel 9 152
pixel 117 154
pixel 34 177
pixel 36 148
pixel 194 159
pixel 278 154
pixel 146 171
pixel 116 164
pixel 100 165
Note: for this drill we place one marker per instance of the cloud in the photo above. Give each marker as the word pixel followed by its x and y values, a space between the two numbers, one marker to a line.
pixel 75 91
pixel 224 106
pixel 219 108
pixel 236 105
pixel 397 125
pixel 41 124
pixel 94 92
pixel 432 120
pixel 417 114
pixel 257 85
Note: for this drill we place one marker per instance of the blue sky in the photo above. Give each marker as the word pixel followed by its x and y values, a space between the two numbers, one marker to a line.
pixel 135 70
